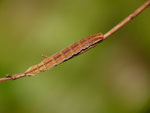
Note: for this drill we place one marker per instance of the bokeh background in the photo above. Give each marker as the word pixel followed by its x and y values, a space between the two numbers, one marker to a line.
pixel 110 78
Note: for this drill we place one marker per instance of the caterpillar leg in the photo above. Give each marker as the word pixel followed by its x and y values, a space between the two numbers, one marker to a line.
pixel 45 56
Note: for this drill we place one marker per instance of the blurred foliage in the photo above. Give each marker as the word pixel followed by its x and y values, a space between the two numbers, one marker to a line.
pixel 111 78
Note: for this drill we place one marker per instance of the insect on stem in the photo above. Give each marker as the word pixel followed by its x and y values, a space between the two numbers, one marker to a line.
pixel 75 49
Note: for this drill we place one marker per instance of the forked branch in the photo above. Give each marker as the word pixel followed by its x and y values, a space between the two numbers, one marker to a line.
pixel 75 49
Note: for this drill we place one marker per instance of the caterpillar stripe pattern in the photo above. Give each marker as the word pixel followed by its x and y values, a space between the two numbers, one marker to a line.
pixel 66 54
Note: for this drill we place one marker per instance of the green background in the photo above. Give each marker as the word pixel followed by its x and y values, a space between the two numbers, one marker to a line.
pixel 111 78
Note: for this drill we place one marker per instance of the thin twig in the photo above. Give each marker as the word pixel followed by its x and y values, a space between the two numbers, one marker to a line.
pixel 127 19
pixel 106 35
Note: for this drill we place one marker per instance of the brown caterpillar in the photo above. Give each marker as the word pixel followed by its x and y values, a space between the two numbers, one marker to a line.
pixel 66 54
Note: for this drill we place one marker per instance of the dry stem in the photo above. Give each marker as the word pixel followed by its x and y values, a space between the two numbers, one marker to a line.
pixel 127 19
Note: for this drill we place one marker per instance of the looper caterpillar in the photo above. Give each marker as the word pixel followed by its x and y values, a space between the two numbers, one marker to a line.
pixel 66 54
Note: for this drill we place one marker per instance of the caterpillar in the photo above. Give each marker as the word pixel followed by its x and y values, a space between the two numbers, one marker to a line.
pixel 62 56
pixel 66 54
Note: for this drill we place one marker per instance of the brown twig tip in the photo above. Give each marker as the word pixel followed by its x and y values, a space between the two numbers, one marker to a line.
pixel 127 19
pixel 76 48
